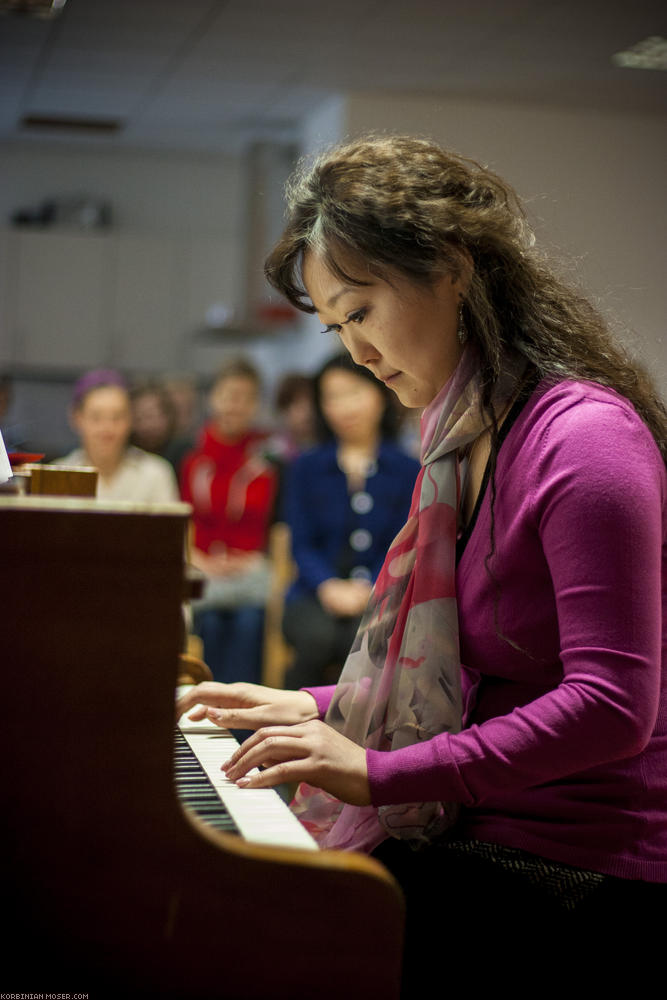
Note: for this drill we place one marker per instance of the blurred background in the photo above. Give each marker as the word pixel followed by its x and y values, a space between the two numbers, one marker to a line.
pixel 144 145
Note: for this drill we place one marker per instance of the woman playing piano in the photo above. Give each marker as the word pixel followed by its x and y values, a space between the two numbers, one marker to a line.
pixel 497 736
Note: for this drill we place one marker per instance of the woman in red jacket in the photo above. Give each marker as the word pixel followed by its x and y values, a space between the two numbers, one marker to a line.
pixel 231 487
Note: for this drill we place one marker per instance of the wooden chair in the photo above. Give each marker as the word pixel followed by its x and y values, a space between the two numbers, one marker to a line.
pixel 191 668
pixel 277 653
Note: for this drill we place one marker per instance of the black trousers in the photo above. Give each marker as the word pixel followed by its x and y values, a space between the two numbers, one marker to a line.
pixel 471 924
pixel 321 642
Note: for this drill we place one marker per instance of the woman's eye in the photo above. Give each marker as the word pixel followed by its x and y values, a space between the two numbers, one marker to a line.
pixel 356 317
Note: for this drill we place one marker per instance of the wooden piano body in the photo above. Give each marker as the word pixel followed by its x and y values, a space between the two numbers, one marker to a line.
pixel 109 887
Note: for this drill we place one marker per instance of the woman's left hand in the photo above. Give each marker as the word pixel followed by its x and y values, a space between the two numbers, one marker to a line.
pixel 310 751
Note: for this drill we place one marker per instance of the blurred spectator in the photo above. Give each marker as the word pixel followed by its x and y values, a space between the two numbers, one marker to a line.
pixel 154 424
pixel 231 487
pixel 295 404
pixel 184 396
pixel 345 502
pixel 100 415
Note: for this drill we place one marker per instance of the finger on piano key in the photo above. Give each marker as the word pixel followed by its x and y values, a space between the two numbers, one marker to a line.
pixel 260 814
pixel 186 724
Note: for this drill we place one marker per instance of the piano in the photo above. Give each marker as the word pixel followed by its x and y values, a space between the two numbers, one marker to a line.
pixel 112 886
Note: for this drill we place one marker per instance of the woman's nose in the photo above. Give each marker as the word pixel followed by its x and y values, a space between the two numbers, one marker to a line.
pixel 359 347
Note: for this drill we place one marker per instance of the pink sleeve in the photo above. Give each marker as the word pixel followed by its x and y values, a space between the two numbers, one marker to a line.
pixel 597 505
pixel 322 696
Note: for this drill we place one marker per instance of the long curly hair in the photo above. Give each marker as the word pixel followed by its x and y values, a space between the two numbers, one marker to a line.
pixel 384 205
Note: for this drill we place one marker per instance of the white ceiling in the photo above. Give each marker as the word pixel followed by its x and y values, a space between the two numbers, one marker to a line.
pixel 215 74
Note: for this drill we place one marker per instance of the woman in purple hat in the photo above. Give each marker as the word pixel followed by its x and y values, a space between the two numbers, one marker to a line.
pixel 102 417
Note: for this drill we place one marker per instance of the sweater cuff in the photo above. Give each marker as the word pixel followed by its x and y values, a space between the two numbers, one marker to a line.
pixel 322 696
pixel 423 772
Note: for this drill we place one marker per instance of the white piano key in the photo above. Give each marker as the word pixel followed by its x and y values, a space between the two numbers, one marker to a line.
pixel 260 814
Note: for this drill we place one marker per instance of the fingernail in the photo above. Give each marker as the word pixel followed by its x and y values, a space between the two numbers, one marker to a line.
pixel 243 782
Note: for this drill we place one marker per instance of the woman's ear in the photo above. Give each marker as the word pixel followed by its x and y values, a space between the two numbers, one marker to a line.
pixel 465 272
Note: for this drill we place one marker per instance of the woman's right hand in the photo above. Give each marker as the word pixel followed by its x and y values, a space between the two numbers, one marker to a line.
pixel 346 598
pixel 246 706
pixel 222 563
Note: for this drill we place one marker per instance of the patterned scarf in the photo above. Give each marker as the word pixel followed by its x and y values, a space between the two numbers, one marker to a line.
pixel 401 682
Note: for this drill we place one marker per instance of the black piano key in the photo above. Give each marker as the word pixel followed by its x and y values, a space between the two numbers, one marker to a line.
pixel 195 789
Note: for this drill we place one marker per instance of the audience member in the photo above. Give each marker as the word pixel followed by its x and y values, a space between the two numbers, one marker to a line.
pixel 100 415
pixel 345 502
pixel 295 405
pixel 184 395
pixel 154 424
pixel 231 486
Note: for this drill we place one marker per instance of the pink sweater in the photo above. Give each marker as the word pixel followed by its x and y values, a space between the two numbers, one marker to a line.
pixel 564 747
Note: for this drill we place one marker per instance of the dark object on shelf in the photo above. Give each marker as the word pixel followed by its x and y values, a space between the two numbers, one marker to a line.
pixel 77 212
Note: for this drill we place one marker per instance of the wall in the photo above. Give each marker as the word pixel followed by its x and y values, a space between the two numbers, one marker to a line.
pixel 593 186
pixel 151 192
pixel 156 197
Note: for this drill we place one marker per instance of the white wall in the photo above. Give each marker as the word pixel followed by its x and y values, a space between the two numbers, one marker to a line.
pixel 308 346
pixel 156 196
pixel 593 184
pixel 150 192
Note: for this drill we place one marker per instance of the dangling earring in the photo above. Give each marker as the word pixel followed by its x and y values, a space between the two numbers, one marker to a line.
pixel 461 331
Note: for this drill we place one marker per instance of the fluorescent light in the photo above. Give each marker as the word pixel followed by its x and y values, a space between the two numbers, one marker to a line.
pixel 651 53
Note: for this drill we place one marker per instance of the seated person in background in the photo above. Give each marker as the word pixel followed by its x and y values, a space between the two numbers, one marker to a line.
pixel 295 405
pixel 344 502
pixel 184 397
pixel 101 417
pixel 231 487
pixel 154 424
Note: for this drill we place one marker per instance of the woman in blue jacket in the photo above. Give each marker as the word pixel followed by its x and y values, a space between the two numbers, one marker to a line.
pixel 345 501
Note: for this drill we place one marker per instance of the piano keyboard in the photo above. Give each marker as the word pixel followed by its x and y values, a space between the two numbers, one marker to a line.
pixel 195 789
pixel 256 814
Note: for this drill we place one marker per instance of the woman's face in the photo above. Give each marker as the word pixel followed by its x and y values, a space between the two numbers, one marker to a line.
pixel 299 418
pixel 150 422
pixel 351 405
pixel 234 403
pixel 103 423
pixel 405 333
